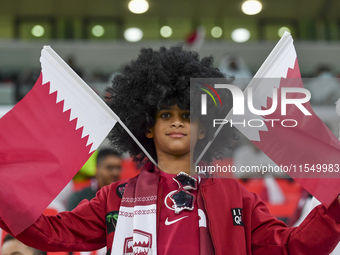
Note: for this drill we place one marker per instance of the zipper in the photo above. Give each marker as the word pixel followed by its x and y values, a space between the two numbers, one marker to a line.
pixel 209 224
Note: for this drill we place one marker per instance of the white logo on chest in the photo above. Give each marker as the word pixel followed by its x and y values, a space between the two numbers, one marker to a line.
pixel 202 222
pixel 170 205
pixel 168 202
pixel 173 221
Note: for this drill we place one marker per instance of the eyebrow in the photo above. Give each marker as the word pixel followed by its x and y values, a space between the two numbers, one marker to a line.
pixel 165 108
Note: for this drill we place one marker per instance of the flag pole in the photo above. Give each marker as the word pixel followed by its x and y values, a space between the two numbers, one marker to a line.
pixel 337 108
pixel 138 143
pixel 278 47
pixel 103 105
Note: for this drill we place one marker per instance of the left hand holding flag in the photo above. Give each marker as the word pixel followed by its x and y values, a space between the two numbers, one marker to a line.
pixel 46 138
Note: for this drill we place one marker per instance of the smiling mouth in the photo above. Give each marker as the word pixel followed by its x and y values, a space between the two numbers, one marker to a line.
pixel 176 135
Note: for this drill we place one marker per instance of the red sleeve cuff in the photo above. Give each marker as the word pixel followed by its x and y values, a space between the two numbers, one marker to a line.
pixel 334 210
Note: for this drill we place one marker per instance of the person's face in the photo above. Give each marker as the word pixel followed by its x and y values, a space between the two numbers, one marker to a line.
pixel 108 170
pixel 14 247
pixel 172 131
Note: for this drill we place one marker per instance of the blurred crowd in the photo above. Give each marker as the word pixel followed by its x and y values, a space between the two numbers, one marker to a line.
pixel 323 83
pixel 14 85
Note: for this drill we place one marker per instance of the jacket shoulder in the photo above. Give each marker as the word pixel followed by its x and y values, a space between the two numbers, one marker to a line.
pixel 233 189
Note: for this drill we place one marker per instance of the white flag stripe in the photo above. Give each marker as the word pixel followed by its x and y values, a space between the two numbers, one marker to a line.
pixel 275 66
pixel 92 113
pixel 283 54
pixel 96 118
pixel 71 75
pixel 337 107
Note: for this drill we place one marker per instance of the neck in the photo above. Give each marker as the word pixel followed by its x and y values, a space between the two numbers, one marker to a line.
pixel 173 164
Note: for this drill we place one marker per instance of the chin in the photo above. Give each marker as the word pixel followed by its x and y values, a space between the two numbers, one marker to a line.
pixel 178 152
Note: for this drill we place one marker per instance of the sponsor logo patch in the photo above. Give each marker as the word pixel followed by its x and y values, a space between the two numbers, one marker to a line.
pixel 120 190
pixel 237 216
pixel 111 221
pixel 138 244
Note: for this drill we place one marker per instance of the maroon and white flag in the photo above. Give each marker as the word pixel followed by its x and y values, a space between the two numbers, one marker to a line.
pixel 46 138
pixel 293 136
pixel 195 39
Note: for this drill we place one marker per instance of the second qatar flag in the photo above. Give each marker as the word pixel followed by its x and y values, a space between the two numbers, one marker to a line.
pixel 46 138
pixel 293 136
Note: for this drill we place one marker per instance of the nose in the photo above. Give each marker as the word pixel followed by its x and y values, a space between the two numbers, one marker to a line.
pixel 116 172
pixel 177 122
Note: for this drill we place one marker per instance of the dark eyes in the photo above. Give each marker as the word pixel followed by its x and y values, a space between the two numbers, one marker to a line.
pixel 166 115
pixel 186 115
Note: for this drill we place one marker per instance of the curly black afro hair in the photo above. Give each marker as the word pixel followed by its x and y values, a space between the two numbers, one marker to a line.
pixel 154 80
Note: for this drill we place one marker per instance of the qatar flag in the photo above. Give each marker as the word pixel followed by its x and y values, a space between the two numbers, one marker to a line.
pixel 297 140
pixel 195 39
pixel 46 138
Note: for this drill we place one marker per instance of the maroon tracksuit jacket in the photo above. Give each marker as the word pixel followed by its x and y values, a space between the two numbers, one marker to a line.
pixel 88 226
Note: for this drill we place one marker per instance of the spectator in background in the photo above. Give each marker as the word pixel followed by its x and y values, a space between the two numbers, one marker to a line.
pixel 248 155
pixel 25 82
pixel 12 246
pixel 233 65
pixel 71 61
pixel 279 192
pixel 108 169
pixel 325 87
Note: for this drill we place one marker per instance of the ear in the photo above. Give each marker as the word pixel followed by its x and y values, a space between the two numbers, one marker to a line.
pixel 202 133
pixel 149 133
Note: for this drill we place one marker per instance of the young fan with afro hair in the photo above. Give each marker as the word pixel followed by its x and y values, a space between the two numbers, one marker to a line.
pixel 164 210
pixel 159 79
